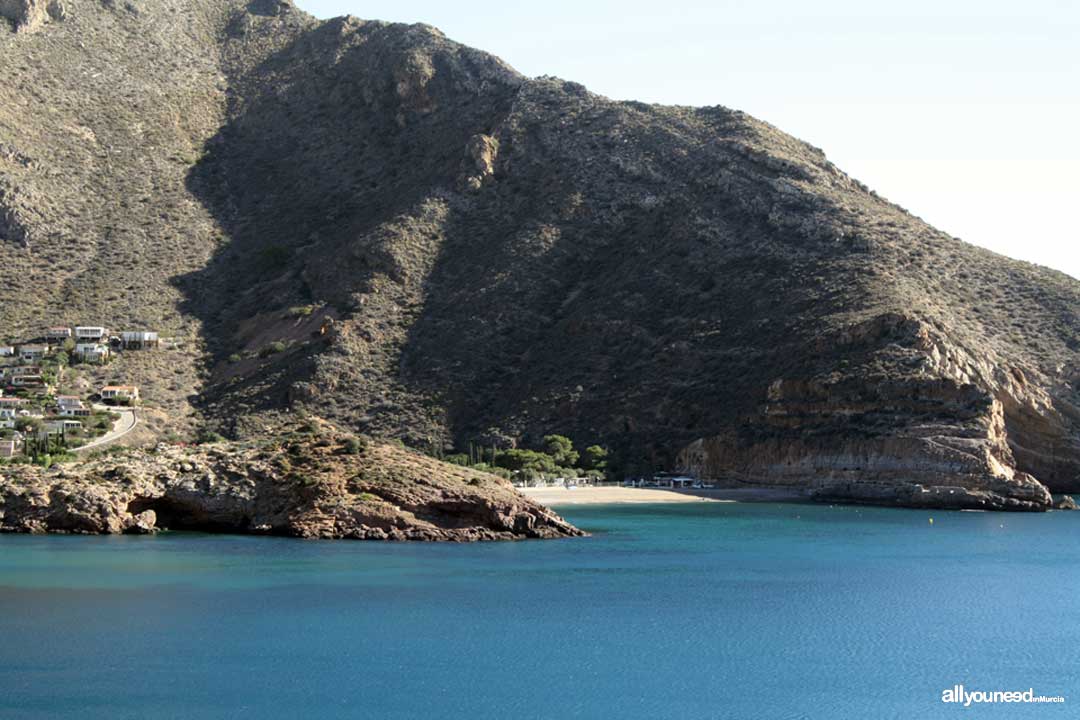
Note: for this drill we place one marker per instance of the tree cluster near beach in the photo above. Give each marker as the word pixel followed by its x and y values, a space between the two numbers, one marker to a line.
pixel 555 458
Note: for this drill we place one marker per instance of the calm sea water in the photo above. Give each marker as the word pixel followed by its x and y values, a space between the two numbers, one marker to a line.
pixel 676 611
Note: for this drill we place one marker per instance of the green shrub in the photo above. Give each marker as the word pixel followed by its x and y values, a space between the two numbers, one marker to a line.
pixel 354 446
pixel 273 348
pixel 301 311
pixel 206 436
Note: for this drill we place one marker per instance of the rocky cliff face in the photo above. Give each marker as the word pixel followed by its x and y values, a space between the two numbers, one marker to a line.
pixel 907 419
pixel 480 256
pixel 309 486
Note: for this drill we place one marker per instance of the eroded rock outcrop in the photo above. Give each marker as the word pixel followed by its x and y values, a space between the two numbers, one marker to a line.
pixel 479 164
pixel 905 417
pixel 12 226
pixel 324 487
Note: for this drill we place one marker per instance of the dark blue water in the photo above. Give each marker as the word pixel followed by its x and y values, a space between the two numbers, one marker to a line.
pixel 676 611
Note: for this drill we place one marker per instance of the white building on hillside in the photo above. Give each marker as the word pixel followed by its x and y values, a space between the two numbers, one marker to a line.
pixel 57 335
pixel 33 353
pixel 120 393
pixel 59 426
pixel 138 340
pixel 92 352
pixel 90 333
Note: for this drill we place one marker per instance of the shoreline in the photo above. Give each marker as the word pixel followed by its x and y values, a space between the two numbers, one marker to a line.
pixel 555 496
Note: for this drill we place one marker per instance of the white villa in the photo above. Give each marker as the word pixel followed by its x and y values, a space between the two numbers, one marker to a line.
pixel 59 426
pixel 139 340
pixel 71 406
pixel 7 351
pixel 8 448
pixel 92 352
pixel 90 333
pixel 33 353
pixel 57 335
pixel 129 393
pixel 11 410
pixel 18 370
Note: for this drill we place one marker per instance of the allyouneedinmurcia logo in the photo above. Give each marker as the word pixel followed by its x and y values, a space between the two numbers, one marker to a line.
pixel 957 694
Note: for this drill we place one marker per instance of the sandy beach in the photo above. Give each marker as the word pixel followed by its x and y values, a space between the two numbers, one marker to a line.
pixel 624 495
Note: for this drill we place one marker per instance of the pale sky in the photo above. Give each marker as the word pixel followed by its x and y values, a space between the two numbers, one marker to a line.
pixel 965 112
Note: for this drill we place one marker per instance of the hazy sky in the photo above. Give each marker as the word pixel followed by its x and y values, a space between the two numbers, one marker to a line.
pixel 965 112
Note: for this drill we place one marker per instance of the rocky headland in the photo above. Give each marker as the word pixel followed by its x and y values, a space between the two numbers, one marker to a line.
pixel 305 485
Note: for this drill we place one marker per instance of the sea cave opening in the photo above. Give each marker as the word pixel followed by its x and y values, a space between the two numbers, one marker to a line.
pixel 176 515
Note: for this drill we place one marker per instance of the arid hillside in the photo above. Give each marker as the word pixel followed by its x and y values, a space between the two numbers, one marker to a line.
pixel 371 223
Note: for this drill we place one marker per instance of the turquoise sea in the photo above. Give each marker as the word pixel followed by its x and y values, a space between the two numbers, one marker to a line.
pixel 674 611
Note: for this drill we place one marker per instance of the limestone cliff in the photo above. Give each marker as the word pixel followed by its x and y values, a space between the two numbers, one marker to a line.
pixel 906 418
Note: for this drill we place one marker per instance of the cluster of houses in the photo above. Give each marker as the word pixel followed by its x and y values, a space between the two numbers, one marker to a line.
pixel 26 389
pixel 88 343
pixel 62 415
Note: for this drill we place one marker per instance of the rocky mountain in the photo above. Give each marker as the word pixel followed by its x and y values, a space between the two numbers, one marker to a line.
pixel 371 223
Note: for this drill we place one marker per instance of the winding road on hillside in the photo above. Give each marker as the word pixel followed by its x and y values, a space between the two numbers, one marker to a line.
pixel 127 422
